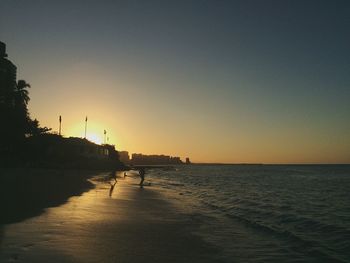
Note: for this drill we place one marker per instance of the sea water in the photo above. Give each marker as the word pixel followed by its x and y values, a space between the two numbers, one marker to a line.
pixel 265 213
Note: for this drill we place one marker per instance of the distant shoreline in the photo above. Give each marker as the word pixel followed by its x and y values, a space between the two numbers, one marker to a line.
pixel 271 164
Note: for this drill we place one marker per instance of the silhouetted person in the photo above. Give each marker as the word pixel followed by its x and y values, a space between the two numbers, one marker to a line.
pixel 142 176
pixel 112 188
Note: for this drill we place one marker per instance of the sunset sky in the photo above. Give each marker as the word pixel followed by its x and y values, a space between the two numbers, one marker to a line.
pixel 216 81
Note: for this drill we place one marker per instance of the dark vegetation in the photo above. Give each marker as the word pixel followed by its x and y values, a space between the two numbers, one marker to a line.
pixel 24 143
pixel 16 123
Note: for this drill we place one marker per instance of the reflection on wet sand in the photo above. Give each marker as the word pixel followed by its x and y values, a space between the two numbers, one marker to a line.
pixel 95 228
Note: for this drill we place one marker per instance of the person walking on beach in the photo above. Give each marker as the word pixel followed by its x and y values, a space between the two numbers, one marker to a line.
pixel 142 176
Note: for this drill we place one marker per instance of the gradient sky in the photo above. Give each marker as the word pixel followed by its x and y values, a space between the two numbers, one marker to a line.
pixel 217 81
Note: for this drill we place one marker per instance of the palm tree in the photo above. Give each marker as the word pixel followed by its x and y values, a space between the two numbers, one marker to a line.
pixel 21 94
pixel 19 116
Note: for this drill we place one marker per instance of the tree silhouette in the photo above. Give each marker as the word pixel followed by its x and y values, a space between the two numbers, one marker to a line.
pixel 21 94
pixel 16 124
pixel 34 128
pixel 20 116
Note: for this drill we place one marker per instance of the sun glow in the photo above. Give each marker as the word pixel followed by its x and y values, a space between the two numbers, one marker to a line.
pixel 94 132
pixel 93 137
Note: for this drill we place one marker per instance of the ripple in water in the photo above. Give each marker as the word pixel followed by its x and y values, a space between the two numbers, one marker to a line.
pixel 272 213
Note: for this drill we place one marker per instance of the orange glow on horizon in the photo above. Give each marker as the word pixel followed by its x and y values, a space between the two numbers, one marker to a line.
pixel 94 132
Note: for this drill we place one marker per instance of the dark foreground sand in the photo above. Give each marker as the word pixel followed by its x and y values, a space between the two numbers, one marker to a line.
pixel 25 193
pixel 131 225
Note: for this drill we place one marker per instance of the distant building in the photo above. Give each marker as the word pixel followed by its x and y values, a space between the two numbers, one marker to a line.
pixel 8 75
pixel 141 159
pixel 188 161
pixel 8 79
pixel 110 151
pixel 124 157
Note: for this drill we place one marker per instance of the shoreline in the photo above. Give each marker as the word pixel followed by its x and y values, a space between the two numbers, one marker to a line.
pixel 164 232
pixel 125 223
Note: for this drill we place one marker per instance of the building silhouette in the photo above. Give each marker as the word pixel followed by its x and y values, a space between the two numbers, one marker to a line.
pixel 124 157
pixel 8 76
pixel 142 159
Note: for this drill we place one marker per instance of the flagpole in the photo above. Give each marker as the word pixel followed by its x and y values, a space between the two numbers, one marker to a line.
pixel 85 126
pixel 60 120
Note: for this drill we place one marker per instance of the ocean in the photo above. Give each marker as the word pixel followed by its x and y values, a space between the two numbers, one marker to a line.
pixel 264 213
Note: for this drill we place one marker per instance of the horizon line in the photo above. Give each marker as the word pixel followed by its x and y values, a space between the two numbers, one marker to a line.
pixel 218 163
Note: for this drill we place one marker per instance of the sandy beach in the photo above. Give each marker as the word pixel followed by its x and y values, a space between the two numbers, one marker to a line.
pixel 27 192
pixel 106 224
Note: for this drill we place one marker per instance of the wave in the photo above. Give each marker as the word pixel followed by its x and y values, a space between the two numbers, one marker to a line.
pixel 297 242
pixel 305 208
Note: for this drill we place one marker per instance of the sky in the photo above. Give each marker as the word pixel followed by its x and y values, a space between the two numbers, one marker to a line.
pixel 216 81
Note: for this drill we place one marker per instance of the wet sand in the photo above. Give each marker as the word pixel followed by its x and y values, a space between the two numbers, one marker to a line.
pixel 127 224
